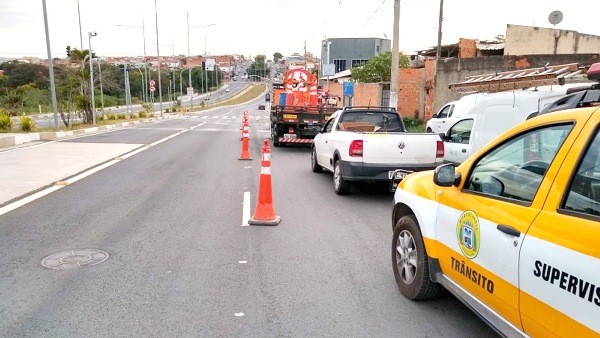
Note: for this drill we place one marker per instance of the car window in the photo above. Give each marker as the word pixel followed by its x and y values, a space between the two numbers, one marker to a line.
pixel 461 132
pixel 584 192
pixel 372 121
pixel 515 168
pixel 444 112
pixel 329 125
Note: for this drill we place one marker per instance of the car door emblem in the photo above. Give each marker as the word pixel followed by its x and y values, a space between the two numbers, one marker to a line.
pixel 401 145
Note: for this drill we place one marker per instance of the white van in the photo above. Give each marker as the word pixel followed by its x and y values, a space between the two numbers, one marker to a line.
pixel 491 116
pixel 450 112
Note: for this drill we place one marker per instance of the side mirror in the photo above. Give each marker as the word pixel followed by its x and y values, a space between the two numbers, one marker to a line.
pixel 445 175
pixel 444 137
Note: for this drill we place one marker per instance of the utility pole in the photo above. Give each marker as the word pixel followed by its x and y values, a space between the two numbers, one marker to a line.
pixel 438 53
pixel 158 57
pixel 50 68
pixel 395 57
pixel 80 33
pixel 189 59
pixel 90 34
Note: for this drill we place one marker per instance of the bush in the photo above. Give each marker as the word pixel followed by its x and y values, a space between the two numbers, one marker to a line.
pixel 147 107
pixel 121 116
pixel 5 122
pixel 133 116
pixel 143 114
pixel 112 117
pixel 27 124
pixel 414 124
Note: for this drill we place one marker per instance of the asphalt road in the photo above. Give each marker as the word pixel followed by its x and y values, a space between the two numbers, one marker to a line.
pixel 227 91
pixel 181 263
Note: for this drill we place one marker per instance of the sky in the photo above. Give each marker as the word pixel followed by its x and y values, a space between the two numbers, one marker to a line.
pixel 251 27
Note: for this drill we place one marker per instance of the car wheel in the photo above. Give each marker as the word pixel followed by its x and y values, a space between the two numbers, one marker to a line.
pixel 316 168
pixel 429 130
pixel 410 261
pixel 341 186
pixel 274 137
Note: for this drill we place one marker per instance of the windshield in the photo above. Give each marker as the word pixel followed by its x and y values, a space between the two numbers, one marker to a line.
pixel 371 121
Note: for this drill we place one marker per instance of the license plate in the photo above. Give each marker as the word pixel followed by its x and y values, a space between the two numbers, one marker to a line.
pixel 289 135
pixel 399 175
pixel 290 116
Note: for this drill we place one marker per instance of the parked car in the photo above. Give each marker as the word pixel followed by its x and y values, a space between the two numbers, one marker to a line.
pixel 513 232
pixel 368 144
pixel 524 101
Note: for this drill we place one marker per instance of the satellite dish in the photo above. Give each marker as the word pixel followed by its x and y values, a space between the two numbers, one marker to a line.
pixel 555 17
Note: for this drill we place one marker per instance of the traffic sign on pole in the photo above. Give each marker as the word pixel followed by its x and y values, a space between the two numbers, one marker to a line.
pixel 152 86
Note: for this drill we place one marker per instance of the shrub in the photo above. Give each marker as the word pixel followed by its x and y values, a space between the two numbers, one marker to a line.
pixel 133 116
pixel 414 124
pixel 5 122
pixel 121 116
pixel 143 114
pixel 147 107
pixel 27 124
pixel 112 117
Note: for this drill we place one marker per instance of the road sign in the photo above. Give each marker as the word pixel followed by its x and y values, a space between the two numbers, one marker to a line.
pixel 152 86
pixel 190 91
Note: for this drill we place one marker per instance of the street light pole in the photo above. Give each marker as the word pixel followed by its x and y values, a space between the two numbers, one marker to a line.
pixel 189 58
pixel 395 57
pixel 90 34
pixel 101 91
pixel 50 68
pixel 158 57
pixel 80 33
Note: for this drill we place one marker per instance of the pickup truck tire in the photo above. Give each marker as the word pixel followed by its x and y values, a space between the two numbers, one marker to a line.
pixel 341 186
pixel 316 168
pixel 410 262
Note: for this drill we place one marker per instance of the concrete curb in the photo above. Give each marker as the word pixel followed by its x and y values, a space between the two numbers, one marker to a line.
pixel 13 139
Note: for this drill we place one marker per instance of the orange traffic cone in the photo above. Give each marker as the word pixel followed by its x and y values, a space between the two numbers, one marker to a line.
pixel 264 213
pixel 245 130
pixel 245 146
pixel 245 119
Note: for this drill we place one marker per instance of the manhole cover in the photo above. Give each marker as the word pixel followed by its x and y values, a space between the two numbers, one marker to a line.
pixel 74 259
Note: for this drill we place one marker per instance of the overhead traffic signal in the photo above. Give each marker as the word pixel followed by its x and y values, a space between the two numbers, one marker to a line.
pixel 69 51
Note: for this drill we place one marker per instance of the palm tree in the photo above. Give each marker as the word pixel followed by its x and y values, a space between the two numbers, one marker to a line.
pixel 83 102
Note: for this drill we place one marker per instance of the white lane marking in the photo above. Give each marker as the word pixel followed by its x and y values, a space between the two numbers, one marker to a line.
pixel 42 193
pixel 204 117
pixel 30 198
pixel 247 167
pixel 243 262
pixel 246 209
pixel 229 112
pixel 239 314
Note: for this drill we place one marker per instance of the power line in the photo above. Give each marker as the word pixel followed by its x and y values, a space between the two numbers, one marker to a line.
pixel 377 10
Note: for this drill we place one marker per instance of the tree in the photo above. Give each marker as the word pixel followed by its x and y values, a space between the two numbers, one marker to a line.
pixel 83 102
pixel 378 68
pixel 258 67
pixel 276 57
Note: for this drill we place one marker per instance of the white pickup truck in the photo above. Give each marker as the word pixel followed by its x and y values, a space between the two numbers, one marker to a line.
pixel 368 144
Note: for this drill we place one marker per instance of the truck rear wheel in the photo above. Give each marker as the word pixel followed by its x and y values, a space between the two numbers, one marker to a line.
pixel 341 186
pixel 274 136
pixel 410 261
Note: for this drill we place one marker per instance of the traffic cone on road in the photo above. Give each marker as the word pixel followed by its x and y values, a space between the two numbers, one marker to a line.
pixel 245 119
pixel 245 146
pixel 245 130
pixel 265 213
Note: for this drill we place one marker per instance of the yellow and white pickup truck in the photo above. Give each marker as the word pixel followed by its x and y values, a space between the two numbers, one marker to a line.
pixel 514 231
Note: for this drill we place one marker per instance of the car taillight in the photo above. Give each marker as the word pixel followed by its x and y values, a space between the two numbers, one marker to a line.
pixel 356 148
pixel 439 153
